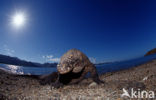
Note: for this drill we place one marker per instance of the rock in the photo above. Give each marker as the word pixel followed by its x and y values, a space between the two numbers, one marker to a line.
pixel 145 78
pixel 153 51
pixel 93 84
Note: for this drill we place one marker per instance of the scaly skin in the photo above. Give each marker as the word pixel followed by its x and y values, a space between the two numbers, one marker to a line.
pixel 73 60
pixel 73 67
pixel 75 78
pixel 90 68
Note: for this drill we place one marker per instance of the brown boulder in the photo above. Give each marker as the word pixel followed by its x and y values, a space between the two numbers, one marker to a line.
pixel 153 51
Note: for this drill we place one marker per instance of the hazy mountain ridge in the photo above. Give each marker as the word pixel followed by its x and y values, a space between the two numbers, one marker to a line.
pixel 16 61
pixel 150 52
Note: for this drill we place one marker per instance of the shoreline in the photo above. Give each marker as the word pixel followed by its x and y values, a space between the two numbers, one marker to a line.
pixel 141 77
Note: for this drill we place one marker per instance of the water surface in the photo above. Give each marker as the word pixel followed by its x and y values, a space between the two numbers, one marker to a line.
pixel 103 68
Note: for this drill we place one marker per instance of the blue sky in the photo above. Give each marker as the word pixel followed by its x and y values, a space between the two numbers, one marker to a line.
pixel 105 30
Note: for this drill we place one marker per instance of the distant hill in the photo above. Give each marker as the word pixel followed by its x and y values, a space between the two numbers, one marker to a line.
pixel 153 51
pixel 16 61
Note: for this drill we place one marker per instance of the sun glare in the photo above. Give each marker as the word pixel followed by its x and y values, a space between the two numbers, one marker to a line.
pixel 18 20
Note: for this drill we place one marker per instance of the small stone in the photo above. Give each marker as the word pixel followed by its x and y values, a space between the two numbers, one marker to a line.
pixel 93 84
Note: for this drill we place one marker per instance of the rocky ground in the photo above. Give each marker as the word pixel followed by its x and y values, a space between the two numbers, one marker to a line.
pixel 142 77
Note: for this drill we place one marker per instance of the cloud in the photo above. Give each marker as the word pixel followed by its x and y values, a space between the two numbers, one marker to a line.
pixel 92 59
pixel 7 50
pixel 55 59
pixel 48 56
pixel 51 58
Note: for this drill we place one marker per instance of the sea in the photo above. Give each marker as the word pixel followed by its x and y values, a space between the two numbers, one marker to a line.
pixel 101 68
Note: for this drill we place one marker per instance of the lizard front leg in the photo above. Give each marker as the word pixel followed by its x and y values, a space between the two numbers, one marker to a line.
pixel 94 75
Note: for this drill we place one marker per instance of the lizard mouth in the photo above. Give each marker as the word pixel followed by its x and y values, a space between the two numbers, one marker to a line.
pixel 63 70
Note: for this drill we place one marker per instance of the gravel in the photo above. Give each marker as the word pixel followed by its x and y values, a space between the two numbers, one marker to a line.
pixel 14 87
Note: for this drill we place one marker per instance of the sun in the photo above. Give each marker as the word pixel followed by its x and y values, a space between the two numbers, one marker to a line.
pixel 18 19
